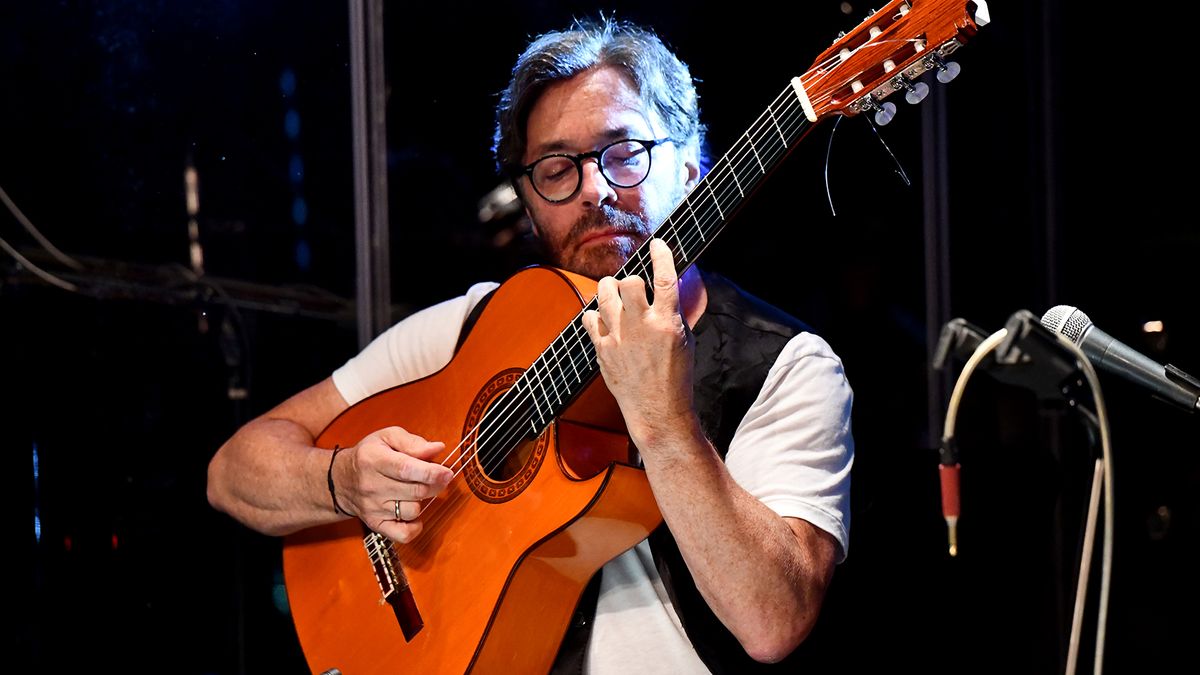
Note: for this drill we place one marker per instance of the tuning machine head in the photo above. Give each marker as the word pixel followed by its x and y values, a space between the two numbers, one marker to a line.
pixel 884 112
pixel 946 70
pixel 914 92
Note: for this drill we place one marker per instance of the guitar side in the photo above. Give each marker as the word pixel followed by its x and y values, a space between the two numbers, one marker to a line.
pixel 502 561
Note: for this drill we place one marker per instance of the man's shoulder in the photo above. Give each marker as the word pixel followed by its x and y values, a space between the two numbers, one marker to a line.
pixel 729 302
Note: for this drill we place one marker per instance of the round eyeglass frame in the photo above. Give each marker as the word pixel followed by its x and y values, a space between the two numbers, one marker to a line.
pixel 577 160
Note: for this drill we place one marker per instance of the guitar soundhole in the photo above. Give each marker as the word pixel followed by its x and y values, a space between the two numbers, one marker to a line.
pixel 505 462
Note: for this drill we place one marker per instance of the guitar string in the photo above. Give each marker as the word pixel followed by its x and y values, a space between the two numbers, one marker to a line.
pixel 723 178
pixel 538 380
pixel 541 358
pixel 450 457
pixel 668 227
pixel 815 74
pixel 641 262
pixel 567 355
pixel 738 156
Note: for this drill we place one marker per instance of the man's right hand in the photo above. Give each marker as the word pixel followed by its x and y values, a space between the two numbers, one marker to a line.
pixel 389 466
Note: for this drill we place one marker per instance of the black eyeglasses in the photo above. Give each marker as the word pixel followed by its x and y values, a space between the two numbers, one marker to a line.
pixel 624 164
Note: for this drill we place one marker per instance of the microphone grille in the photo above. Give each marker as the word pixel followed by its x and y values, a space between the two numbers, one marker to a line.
pixel 1068 320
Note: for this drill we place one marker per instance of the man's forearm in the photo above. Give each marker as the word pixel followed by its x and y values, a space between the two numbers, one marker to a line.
pixel 764 576
pixel 270 477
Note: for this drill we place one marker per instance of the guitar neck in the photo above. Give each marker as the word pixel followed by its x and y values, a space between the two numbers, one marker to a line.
pixel 569 363
pixel 717 197
pixel 884 55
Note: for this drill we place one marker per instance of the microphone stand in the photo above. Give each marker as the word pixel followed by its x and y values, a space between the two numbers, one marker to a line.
pixel 1027 354
pixel 1087 553
pixel 1029 341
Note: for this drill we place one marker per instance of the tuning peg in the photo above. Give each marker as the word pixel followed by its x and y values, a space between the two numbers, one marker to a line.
pixel 947 70
pixel 915 92
pixel 884 113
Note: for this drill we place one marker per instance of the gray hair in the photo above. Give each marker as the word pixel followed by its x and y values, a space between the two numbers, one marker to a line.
pixel 663 81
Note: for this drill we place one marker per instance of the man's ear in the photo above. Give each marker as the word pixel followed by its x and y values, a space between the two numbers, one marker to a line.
pixel 525 206
pixel 532 223
pixel 691 172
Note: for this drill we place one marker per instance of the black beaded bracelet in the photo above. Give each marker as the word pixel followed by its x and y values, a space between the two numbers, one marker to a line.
pixel 329 477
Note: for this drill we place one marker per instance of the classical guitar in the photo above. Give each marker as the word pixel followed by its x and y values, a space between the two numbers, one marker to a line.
pixel 546 491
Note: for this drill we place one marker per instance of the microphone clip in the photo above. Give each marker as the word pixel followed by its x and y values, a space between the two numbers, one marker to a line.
pixel 1031 356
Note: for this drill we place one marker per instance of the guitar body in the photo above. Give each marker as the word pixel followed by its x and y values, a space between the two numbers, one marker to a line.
pixel 505 552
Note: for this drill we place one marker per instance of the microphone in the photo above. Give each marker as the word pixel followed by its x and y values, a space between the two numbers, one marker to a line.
pixel 1167 383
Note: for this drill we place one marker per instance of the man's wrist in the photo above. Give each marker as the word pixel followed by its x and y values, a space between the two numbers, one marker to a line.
pixel 680 433
pixel 337 508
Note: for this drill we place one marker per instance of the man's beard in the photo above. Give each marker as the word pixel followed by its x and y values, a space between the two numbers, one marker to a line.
pixel 599 259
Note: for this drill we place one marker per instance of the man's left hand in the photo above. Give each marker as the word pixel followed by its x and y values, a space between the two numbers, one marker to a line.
pixel 645 350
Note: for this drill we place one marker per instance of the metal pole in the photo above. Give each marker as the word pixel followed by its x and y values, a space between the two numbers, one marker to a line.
pixel 936 189
pixel 369 115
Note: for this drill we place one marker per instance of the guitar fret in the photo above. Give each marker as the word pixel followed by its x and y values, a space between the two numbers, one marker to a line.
pixel 699 228
pixel 714 198
pixel 587 350
pixel 736 182
pixel 678 240
pixel 577 377
pixel 777 127
pixel 533 399
pixel 566 349
pixel 762 169
pixel 636 266
pixel 541 380
pixel 555 362
pixel 562 373
pixel 562 348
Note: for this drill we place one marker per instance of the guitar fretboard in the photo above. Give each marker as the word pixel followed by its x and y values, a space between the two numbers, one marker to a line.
pixel 569 364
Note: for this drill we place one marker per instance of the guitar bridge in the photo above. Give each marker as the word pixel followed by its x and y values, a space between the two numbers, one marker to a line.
pixel 393 583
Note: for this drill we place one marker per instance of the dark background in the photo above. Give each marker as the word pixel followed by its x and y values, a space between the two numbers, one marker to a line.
pixel 1070 163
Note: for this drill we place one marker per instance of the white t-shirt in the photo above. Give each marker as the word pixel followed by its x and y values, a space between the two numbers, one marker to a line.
pixel 792 451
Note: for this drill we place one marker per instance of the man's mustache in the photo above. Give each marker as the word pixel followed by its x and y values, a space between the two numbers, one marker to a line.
pixel 605 218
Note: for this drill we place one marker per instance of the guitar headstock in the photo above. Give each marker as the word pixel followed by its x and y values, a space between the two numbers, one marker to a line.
pixel 888 52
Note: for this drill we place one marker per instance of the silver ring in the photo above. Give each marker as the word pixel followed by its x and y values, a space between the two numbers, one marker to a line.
pixel 396 503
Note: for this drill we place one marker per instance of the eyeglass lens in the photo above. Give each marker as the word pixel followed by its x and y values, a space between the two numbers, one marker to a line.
pixel 623 164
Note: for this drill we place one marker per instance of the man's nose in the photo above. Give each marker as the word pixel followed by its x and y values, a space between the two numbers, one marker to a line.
pixel 595 189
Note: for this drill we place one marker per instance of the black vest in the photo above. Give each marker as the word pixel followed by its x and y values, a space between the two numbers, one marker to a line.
pixel 737 341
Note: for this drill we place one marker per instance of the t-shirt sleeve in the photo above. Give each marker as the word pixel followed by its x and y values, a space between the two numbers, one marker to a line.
pixel 417 346
pixel 793 449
